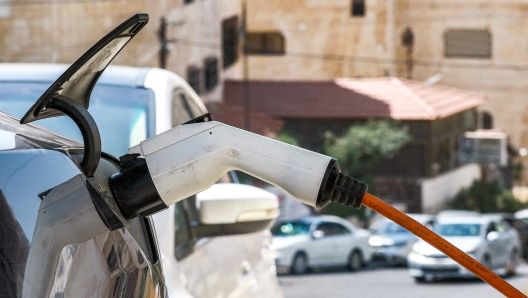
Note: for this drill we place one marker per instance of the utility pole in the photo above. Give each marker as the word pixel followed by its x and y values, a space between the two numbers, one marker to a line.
pixel 247 101
pixel 164 51
pixel 408 42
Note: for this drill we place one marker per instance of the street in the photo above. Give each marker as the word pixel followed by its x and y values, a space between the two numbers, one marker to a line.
pixel 377 281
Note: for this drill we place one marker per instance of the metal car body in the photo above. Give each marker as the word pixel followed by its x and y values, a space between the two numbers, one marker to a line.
pixel 488 239
pixel 120 263
pixel 129 105
pixel 391 242
pixel 320 241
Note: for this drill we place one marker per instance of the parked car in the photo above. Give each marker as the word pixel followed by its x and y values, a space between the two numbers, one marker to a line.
pixel 521 225
pixel 128 105
pixel 391 242
pixel 320 241
pixel 488 239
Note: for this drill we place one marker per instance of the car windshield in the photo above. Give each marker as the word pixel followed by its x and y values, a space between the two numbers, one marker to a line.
pixel 118 111
pixel 291 228
pixel 457 230
pixel 390 228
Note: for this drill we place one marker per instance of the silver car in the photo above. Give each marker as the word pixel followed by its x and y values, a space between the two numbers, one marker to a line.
pixel 391 242
pixel 488 239
pixel 319 241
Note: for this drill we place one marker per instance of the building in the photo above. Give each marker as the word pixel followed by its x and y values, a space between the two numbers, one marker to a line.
pixel 424 175
pixel 475 45
pixel 201 36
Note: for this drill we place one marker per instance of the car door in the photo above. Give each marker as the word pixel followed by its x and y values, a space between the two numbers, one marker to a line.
pixel 494 246
pixel 506 242
pixel 325 249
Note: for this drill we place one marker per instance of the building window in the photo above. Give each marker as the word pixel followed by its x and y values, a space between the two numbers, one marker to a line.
pixel 229 41
pixel 193 78
pixel 468 44
pixel 358 8
pixel 267 43
pixel 211 73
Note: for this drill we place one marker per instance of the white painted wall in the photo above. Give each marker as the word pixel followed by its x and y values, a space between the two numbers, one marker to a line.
pixel 437 192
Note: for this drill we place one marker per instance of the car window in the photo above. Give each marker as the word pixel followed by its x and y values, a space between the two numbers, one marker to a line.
pixel 291 228
pixel 390 228
pixel 457 230
pixel 131 109
pixel 181 111
pixel 183 241
pixel 491 228
pixel 332 228
pixel 502 227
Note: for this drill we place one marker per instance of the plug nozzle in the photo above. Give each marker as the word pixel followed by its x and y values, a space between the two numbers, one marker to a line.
pixel 340 188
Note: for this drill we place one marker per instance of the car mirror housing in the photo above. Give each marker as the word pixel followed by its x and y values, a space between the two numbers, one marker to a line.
pixel 318 234
pixel 232 209
pixel 492 236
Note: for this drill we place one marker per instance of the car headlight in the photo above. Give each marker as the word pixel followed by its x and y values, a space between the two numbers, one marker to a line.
pixel 415 250
pixel 380 241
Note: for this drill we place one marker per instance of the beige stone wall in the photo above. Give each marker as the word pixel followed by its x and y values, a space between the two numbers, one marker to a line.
pixel 323 41
pixel 59 31
pixel 503 78
pixel 371 47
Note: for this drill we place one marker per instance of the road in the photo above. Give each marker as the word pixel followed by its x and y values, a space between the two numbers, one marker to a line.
pixel 383 281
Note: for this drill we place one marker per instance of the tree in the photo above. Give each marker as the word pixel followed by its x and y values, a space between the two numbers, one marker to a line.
pixel 486 198
pixel 364 145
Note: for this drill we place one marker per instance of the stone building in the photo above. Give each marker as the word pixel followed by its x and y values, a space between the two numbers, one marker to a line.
pixel 475 45
pixel 199 33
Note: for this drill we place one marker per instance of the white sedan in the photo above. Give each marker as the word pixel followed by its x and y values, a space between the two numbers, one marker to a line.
pixel 318 241
pixel 488 239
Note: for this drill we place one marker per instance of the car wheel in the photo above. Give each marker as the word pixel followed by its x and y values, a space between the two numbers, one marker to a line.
pixel 419 279
pixel 511 266
pixel 300 264
pixel 355 261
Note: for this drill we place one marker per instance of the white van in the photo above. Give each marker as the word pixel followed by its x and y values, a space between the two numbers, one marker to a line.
pixel 133 104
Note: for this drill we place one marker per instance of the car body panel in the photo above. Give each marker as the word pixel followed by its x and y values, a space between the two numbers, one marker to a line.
pixel 121 263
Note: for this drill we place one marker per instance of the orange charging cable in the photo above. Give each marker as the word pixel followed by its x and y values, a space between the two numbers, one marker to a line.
pixel 432 238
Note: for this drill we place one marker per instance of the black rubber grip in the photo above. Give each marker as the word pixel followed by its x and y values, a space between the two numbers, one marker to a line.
pixel 348 191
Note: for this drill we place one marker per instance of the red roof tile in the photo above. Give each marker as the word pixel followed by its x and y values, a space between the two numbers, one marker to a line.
pixel 385 97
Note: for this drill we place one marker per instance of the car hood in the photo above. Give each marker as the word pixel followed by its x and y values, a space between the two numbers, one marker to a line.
pixel 280 242
pixel 391 239
pixel 463 243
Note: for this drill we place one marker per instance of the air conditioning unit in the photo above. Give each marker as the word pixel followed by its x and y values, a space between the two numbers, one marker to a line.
pixel 483 147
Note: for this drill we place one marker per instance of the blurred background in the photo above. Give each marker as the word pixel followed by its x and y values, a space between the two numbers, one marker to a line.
pixel 424 100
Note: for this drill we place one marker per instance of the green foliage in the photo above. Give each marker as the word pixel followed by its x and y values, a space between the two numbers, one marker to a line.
pixel 363 145
pixel 487 198
pixel 289 138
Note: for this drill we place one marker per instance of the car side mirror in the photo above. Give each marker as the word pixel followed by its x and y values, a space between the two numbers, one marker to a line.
pixel 233 209
pixel 492 236
pixel 318 234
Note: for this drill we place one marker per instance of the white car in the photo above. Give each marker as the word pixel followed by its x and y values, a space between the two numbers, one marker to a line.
pixel 488 239
pixel 391 242
pixel 132 104
pixel 319 241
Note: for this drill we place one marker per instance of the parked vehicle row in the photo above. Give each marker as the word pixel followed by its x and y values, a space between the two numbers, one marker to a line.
pixel 487 238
